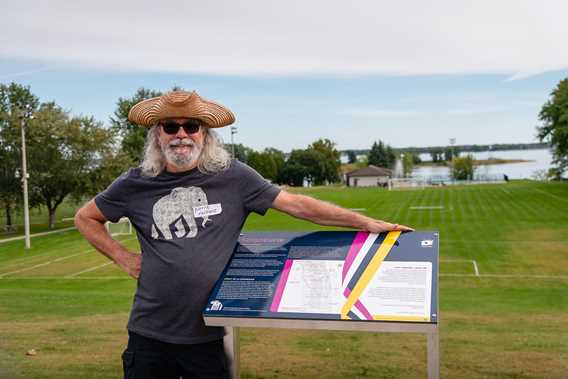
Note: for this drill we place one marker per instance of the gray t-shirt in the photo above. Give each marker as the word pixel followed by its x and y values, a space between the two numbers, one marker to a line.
pixel 188 225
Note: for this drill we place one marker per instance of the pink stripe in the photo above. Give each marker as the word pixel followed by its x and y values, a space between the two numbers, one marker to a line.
pixel 356 245
pixel 359 305
pixel 363 310
pixel 281 285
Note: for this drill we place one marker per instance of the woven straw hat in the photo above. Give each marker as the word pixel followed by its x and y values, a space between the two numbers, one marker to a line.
pixel 180 104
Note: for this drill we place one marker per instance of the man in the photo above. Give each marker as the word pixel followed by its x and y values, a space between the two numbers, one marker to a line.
pixel 188 202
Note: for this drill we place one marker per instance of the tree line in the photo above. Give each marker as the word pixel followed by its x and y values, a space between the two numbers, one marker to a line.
pixel 77 156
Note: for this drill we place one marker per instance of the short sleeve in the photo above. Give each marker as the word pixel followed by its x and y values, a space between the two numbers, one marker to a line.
pixel 112 202
pixel 258 194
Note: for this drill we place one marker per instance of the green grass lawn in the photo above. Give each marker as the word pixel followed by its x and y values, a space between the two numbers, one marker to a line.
pixel 63 299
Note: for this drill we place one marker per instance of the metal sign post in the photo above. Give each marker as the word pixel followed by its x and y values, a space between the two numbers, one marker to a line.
pixel 234 323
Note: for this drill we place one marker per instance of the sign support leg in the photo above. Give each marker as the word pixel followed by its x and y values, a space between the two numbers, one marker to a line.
pixel 433 355
pixel 232 349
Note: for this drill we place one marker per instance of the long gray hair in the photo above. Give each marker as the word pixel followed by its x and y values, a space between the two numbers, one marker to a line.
pixel 213 158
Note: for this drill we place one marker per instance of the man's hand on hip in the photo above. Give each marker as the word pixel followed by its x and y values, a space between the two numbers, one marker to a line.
pixel 130 263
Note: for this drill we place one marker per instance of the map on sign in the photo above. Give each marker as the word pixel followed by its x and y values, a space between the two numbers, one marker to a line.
pixel 330 275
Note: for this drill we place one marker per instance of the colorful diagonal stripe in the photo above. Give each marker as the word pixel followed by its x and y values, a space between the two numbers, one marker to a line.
pixel 369 271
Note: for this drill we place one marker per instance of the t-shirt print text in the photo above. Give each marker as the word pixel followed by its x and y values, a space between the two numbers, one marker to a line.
pixel 175 213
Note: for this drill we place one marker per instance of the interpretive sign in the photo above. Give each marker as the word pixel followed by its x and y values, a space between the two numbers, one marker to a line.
pixel 330 276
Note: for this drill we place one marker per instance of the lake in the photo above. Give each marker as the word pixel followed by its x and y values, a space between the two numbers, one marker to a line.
pixel 540 161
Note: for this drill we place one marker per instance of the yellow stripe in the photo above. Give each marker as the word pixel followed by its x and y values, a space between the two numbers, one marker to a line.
pixel 401 318
pixel 369 272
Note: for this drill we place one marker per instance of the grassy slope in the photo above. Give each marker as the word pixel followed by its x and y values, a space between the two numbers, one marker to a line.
pixel 508 327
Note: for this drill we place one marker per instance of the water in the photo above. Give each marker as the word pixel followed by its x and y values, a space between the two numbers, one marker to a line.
pixel 541 161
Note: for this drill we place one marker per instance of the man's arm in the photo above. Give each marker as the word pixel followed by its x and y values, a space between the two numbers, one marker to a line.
pixel 91 223
pixel 320 212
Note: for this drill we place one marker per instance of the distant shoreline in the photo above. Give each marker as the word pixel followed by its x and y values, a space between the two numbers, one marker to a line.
pixel 479 162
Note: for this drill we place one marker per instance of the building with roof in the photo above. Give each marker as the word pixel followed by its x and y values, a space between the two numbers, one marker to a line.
pixel 369 176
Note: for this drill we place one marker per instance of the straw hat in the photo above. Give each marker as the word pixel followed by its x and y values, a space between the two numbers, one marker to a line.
pixel 180 104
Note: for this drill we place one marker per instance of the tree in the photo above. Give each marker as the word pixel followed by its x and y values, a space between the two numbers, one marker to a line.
pixel 132 135
pixel 554 130
pixel 436 155
pixel 382 155
pixel 241 151
pixel 351 157
pixel 450 153
pixel 407 164
pixel 63 153
pixel 13 98
pixel 390 157
pixel 279 159
pixel 264 164
pixel 377 155
pixel 462 168
pixel 330 161
pixel 303 164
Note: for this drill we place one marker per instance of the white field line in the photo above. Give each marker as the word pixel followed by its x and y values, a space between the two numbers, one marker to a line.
pixel 89 270
pixel 2 275
pixel 509 276
pixel 51 252
pixel 45 263
pixel 475 268
pixel 38 234
pixel 425 207
pixel 550 194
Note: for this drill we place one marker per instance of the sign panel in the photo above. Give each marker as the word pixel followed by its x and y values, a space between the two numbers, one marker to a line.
pixel 330 276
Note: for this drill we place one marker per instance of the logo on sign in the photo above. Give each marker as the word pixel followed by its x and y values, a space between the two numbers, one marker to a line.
pixel 216 305
pixel 427 243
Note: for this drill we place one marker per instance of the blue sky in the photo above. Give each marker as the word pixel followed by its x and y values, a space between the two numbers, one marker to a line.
pixel 478 73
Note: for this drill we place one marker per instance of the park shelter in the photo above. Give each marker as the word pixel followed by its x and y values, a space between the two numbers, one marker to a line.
pixel 369 176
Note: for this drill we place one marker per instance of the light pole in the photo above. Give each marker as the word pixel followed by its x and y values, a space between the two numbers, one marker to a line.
pixel 25 115
pixel 233 132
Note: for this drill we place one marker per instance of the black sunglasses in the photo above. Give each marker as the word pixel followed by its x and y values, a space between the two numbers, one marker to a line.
pixel 171 127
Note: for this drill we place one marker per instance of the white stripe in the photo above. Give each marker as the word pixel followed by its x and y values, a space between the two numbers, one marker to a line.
pixel 475 268
pixel 515 276
pixel 2 275
pixel 474 263
pixel 359 258
pixel 89 270
pixel 44 264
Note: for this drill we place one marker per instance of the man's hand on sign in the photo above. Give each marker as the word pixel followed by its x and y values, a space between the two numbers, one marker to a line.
pixel 130 263
pixel 378 226
pixel 323 213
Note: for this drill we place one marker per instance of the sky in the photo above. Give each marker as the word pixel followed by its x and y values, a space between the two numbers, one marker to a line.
pixel 409 73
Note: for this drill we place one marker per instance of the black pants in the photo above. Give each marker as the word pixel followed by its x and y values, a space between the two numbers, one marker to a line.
pixel 147 358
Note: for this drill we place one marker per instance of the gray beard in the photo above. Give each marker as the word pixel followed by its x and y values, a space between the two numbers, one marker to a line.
pixel 182 160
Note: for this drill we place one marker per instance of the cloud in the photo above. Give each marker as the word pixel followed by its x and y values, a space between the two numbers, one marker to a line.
pixel 263 37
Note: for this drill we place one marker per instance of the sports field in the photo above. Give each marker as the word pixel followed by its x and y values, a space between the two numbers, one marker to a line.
pixel 503 295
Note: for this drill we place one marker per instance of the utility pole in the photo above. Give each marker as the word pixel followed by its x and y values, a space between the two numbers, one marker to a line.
pixel 25 115
pixel 233 132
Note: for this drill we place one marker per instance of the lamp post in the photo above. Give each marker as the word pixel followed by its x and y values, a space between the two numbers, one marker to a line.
pixel 233 132
pixel 25 115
